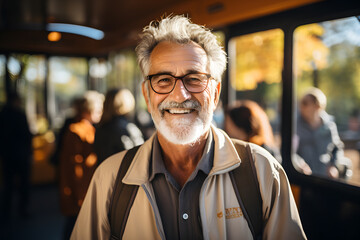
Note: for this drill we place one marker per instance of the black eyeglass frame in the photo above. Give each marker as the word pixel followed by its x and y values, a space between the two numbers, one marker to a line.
pixel 208 75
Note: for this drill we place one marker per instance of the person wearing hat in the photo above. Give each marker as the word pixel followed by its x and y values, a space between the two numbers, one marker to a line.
pixel 319 147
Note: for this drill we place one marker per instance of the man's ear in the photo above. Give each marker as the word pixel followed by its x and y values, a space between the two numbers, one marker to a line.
pixel 217 94
pixel 145 92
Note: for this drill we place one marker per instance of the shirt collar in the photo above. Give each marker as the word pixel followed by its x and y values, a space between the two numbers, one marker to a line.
pixel 205 164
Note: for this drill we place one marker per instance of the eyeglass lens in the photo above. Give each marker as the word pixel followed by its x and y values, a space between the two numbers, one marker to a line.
pixel 193 82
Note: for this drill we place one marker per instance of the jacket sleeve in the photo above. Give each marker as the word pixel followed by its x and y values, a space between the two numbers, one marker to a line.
pixel 92 221
pixel 281 217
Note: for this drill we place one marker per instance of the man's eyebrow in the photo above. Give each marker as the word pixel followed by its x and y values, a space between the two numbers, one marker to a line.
pixel 170 73
pixel 162 73
pixel 192 71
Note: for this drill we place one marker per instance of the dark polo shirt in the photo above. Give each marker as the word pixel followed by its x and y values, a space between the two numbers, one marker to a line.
pixel 179 207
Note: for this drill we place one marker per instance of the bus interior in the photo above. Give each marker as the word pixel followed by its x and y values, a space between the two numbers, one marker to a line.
pixel 276 50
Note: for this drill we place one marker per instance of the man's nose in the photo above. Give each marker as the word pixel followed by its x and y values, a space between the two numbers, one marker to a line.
pixel 180 93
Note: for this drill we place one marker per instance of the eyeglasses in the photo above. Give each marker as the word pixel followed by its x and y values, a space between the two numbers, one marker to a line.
pixel 165 83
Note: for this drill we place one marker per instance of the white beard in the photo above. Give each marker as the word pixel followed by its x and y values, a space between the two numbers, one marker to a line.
pixel 183 131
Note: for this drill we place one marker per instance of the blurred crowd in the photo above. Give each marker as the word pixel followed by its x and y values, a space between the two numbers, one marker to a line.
pixel 99 127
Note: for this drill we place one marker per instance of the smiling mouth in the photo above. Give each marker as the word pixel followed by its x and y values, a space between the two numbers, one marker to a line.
pixel 179 111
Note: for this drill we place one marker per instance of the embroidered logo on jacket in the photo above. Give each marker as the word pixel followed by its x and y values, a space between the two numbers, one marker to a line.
pixel 231 213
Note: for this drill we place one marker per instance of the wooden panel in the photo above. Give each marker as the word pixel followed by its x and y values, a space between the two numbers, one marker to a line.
pixel 215 13
pixel 122 22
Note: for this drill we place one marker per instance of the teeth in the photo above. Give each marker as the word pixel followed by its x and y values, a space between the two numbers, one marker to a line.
pixel 179 111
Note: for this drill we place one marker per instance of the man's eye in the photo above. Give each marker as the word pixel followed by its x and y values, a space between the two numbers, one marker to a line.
pixel 193 79
pixel 162 80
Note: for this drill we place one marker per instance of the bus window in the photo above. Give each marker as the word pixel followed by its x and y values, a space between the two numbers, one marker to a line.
pixel 256 62
pixel 98 69
pixel 327 74
pixel 34 73
pixel 67 80
pixel 27 77
pixel 124 70
pixel 2 80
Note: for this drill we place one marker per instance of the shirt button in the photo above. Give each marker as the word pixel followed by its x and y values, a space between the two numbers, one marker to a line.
pixel 185 216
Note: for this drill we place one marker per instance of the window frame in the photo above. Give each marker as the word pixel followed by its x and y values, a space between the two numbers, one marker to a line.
pixel 288 21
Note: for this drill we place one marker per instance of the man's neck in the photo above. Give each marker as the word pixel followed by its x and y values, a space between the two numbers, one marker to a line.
pixel 181 160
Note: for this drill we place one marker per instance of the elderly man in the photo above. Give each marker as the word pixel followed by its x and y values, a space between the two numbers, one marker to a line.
pixel 185 189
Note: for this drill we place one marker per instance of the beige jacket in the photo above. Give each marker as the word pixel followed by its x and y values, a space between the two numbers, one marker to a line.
pixel 221 216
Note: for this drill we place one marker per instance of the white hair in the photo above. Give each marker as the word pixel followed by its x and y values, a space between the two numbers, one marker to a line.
pixel 179 29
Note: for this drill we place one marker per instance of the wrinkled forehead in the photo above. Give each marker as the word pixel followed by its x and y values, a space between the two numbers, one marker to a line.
pixel 169 55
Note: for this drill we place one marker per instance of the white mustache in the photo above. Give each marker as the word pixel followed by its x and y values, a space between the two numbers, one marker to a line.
pixel 189 104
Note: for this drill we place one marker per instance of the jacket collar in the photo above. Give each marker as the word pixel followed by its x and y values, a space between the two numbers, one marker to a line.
pixel 225 158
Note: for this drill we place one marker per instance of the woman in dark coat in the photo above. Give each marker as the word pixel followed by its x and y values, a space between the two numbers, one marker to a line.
pixel 115 132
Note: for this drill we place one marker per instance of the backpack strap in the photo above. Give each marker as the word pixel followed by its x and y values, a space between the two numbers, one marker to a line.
pixel 122 198
pixel 246 186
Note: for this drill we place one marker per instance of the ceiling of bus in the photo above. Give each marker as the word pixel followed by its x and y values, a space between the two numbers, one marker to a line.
pixel 23 22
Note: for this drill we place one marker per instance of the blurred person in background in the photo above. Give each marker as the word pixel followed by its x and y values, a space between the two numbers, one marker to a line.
pixel 74 117
pixel 77 160
pixel 319 148
pixel 16 155
pixel 115 132
pixel 247 121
